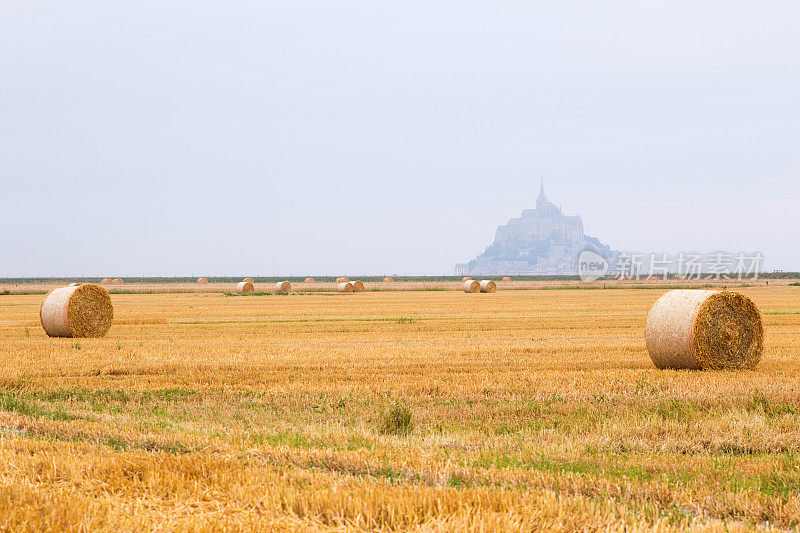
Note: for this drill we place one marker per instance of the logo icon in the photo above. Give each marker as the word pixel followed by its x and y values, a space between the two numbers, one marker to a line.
pixel 591 265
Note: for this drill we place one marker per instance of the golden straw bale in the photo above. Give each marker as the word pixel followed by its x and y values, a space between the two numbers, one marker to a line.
pixel 202 280
pixel 248 280
pixel 118 281
pixel 244 287
pixel 80 310
pixel 107 281
pixel 472 286
pixel 283 287
pixel 466 278
pixel 506 278
pixel 488 286
pixel 388 279
pixel 309 280
pixel 701 329
pixel 343 279
pixel 358 286
pixel 345 286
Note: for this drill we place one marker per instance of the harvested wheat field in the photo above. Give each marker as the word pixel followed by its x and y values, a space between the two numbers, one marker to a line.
pixel 428 410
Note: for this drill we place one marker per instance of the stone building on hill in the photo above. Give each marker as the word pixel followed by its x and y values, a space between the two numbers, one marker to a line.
pixel 540 242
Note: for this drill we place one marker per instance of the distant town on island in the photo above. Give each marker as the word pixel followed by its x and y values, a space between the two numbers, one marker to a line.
pixel 540 242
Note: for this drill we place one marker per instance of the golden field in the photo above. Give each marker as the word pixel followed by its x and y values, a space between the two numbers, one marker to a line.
pixel 526 410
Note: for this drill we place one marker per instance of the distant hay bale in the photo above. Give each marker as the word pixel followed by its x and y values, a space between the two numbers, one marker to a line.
pixel 358 286
pixel 283 287
pixel 202 280
pixel 248 280
pixel 708 330
pixel 80 310
pixel 345 286
pixel 466 278
pixel 244 287
pixel 309 280
pixel 118 281
pixel 106 281
pixel 488 286
pixel 506 278
pixel 471 285
pixel 388 279
pixel 343 279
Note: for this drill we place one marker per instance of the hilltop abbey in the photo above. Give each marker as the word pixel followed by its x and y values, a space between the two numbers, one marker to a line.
pixel 540 242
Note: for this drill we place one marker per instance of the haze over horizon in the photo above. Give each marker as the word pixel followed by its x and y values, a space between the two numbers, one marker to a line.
pixel 264 138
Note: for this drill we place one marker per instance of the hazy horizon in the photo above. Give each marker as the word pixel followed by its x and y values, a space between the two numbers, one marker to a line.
pixel 264 138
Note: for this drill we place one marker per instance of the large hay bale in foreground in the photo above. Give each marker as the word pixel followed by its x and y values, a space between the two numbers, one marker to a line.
pixel 80 310
pixel 472 286
pixel 488 285
pixel 309 280
pixel 358 286
pixel 202 280
pixel 345 286
pixel 248 280
pixel 709 330
pixel 388 279
pixel 283 287
pixel 342 279
pixel 244 287
pixel 506 278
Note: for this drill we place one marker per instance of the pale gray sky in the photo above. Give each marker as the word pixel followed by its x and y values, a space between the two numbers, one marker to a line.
pixel 169 138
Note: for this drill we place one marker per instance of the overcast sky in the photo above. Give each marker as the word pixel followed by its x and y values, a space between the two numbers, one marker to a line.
pixel 353 137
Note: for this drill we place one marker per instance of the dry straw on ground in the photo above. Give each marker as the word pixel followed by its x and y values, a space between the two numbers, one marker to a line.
pixel 388 279
pixel 488 286
pixel 202 280
pixel 248 280
pixel 472 286
pixel 309 280
pixel 77 311
pixel 345 286
pixel 244 287
pixel 700 329
pixel 342 279
pixel 283 287
pixel 506 278
pixel 358 286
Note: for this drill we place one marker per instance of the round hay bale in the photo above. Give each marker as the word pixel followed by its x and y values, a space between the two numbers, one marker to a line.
pixel 309 280
pixel 488 286
pixel 80 310
pixel 244 287
pixel 248 280
pixel 388 279
pixel 283 287
pixel 343 279
pixel 506 278
pixel 472 286
pixel 202 280
pixel 118 281
pixel 466 278
pixel 358 286
pixel 708 330
pixel 345 286
pixel 106 281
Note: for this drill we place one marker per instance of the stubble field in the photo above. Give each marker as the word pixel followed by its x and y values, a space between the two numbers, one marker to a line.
pixel 427 410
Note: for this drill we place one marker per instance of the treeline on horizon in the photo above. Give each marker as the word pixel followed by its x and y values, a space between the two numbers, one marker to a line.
pixel 331 279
